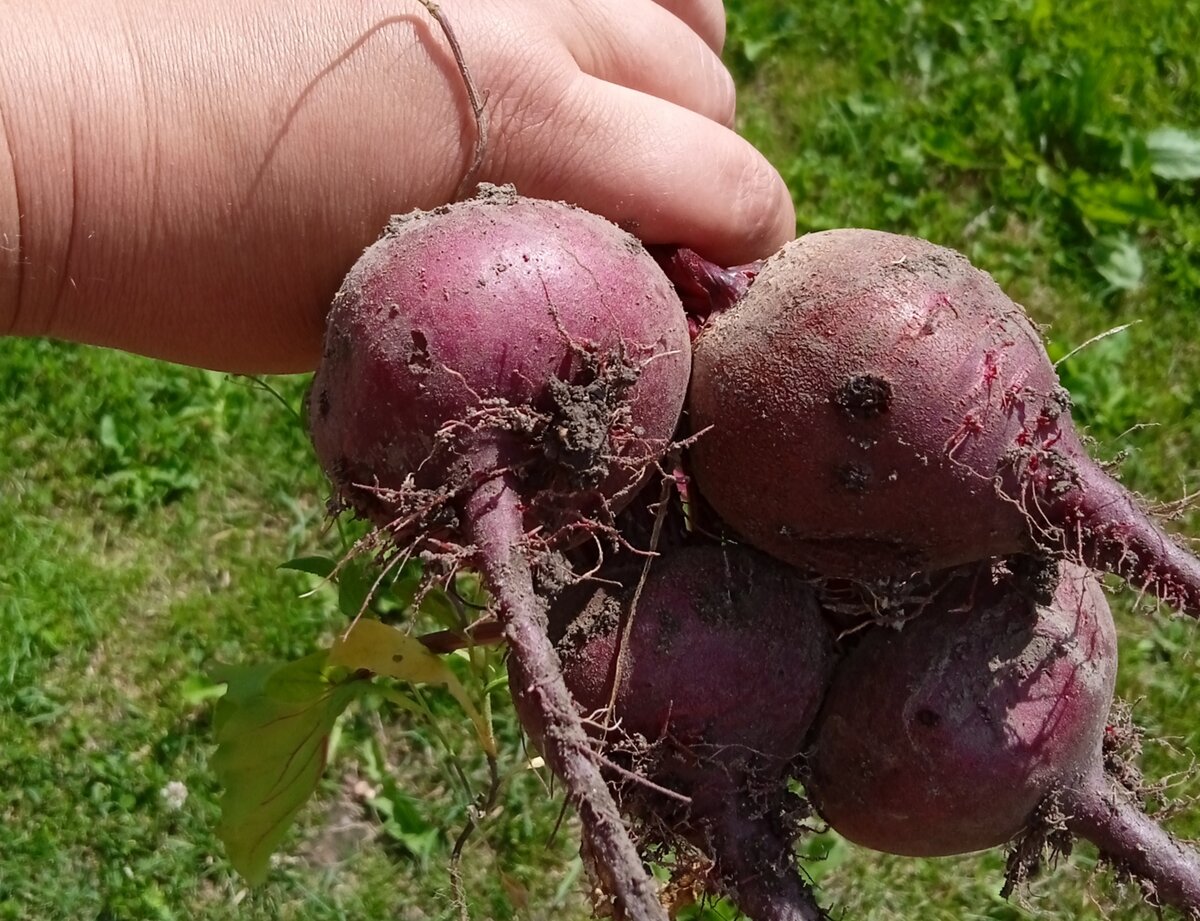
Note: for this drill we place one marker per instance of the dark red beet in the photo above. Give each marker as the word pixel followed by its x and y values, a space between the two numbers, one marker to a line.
pixel 494 367
pixel 943 736
pixel 947 735
pixel 879 407
pixel 718 681
pixel 728 657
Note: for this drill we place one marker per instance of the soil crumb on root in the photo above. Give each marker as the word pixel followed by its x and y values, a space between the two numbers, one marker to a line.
pixel 864 396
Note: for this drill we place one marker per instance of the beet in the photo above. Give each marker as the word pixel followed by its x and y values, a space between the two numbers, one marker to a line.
pixel 498 376
pixel 727 659
pixel 943 736
pixel 875 406
pixel 718 679
pixel 953 733
pixel 544 326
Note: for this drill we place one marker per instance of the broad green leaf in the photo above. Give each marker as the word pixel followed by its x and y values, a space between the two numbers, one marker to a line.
pixel 1119 262
pixel 272 729
pixel 387 651
pixel 355 581
pixel 321 566
pixel 1174 153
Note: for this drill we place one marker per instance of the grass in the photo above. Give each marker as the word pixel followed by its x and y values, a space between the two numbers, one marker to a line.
pixel 146 507
pixel 129 572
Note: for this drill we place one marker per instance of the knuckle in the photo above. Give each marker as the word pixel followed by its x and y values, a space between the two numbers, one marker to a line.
pixel 756 202
pixel 537 148
pixel 705 17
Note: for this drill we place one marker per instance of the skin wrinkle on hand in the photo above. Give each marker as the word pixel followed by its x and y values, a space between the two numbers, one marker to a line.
pixel 67 82
pixel 178 242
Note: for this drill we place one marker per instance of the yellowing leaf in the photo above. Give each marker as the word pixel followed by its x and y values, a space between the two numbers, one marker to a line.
pixel 387 651
pixel 384 650
pixel 272 729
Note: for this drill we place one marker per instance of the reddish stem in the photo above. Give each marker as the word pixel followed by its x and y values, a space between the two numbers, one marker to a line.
pixel 704 287
pixel 483 633
pixel 493 513
pixel 1106 816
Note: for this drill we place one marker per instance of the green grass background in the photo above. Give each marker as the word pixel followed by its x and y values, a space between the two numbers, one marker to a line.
pixel 144 508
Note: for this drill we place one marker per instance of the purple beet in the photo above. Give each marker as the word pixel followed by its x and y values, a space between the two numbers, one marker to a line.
pixel 950 734
pixel 876 406
pixel 707 690
pixel 500 375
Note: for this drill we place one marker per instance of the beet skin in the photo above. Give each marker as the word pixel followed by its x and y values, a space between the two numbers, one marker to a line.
pixel 942 737
pixel 500 375
pixel 875 406
pixel 717 680
pixel 550 311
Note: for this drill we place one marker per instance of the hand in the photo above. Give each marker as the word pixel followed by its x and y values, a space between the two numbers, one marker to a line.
pixel 193 181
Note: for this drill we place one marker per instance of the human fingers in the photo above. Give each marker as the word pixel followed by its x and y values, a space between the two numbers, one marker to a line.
pixel 641 45
pixel 704 17
pixel 667 173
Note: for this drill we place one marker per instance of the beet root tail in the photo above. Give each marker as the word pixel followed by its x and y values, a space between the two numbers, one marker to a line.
pixel 1168 871
pixel 1114 533
pixel 759 868
pixel 493 511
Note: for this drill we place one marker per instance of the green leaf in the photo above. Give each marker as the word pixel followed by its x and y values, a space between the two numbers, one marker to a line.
pixel 107 435
pixel 272 729
pixel 321 566
pixel 952 147
pixel 387 651
pixel 754 48
pixel 355 581
pixel 406 584
pixel 404 822
pixel 437 604
pixel 1119 262
pixel 1174 153
pixel 198 689
pixel 469 587
pixel 1113 201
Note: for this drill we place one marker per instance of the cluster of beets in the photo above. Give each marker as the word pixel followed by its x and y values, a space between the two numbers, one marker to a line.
pixel 821 519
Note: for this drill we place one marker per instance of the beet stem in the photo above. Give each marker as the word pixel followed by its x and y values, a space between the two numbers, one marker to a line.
pixel 1108 818
pixel 704 287
pixel 760 867
pixel 496 529
pixel 442 642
